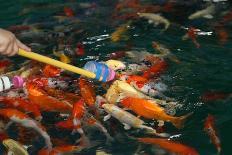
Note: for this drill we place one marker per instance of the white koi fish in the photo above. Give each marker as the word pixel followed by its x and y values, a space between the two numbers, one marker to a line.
pixel 206 13
pixel 155 19
pixel 128 120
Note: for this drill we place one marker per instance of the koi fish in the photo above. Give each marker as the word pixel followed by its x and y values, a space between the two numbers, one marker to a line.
pixel 68 12
pixel 51 71
pixel 49 82
pixel 222 35
pixel 141 84
pixel 155 70
pixel 171 146
pixel 115 64
pixel 62 95
pixel 24 120
pixel 206 13
pixel 120 89
pixel 155 19
pixel 164 52
pixel 87 91
pixel 62 56
pixel 65 149
pixel 116 55
pixel 214 96
pixel 20 103
pixel 192 34
pixel 151 110
pixel 14 147
pixel 44 101
pixel 128 120
pixel 209 127
pixel 80 51
pixel 118 34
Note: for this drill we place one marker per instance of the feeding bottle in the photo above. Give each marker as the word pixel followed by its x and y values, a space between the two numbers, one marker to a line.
pixel 6 83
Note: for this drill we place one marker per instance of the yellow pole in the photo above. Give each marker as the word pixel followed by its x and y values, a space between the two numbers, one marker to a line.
pixel 53 62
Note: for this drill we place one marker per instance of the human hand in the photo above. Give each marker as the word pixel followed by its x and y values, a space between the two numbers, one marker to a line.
pixel 9 44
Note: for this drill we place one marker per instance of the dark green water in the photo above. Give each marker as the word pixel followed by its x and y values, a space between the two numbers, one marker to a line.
pixel 208 68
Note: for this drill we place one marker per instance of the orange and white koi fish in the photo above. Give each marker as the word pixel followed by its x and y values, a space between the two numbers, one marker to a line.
pixel 120 89
pixel 141 84
pixel 22 104
pixel 209 127
pixel 192 34
pixel 44 101
pixel 78 113
pixel 58 150
pixel 24 120
pixel 127 119
pixel 151 110
pixel 171 146
pixel 49 82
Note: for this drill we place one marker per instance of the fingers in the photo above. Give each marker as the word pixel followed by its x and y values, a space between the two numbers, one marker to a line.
pixel 22 46
pixel 14 50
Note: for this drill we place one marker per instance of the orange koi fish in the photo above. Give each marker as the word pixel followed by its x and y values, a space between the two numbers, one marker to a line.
pixel 209 127
pixel 192 34
pixel 67 124
pixel 171 146
pixel 80 51
pixel 68 12
pixel 51 71
pixel 214 96
pixel 44 101
pixel 87 91
pixel 24 120
pixel 151 110
pixel 22 104
pixel 222 35
pixel 118 34
pixel 155 70
pixel 62 95
pixel 65 149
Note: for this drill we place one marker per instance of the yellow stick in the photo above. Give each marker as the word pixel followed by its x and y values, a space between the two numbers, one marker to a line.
pixel 53 62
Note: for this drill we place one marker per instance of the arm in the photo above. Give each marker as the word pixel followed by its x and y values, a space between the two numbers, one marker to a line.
pixel 9 44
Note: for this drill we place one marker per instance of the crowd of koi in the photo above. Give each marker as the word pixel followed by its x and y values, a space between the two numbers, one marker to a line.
pixel 136 98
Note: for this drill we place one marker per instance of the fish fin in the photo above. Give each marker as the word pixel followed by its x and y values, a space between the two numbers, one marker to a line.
pixel 209 16
pixel 179 121
pixel 107 117
pixel 126 126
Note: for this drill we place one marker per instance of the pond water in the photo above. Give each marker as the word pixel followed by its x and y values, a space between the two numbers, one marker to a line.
pixel 200 70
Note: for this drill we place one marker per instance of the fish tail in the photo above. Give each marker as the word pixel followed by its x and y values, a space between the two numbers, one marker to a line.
pixel 179 121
